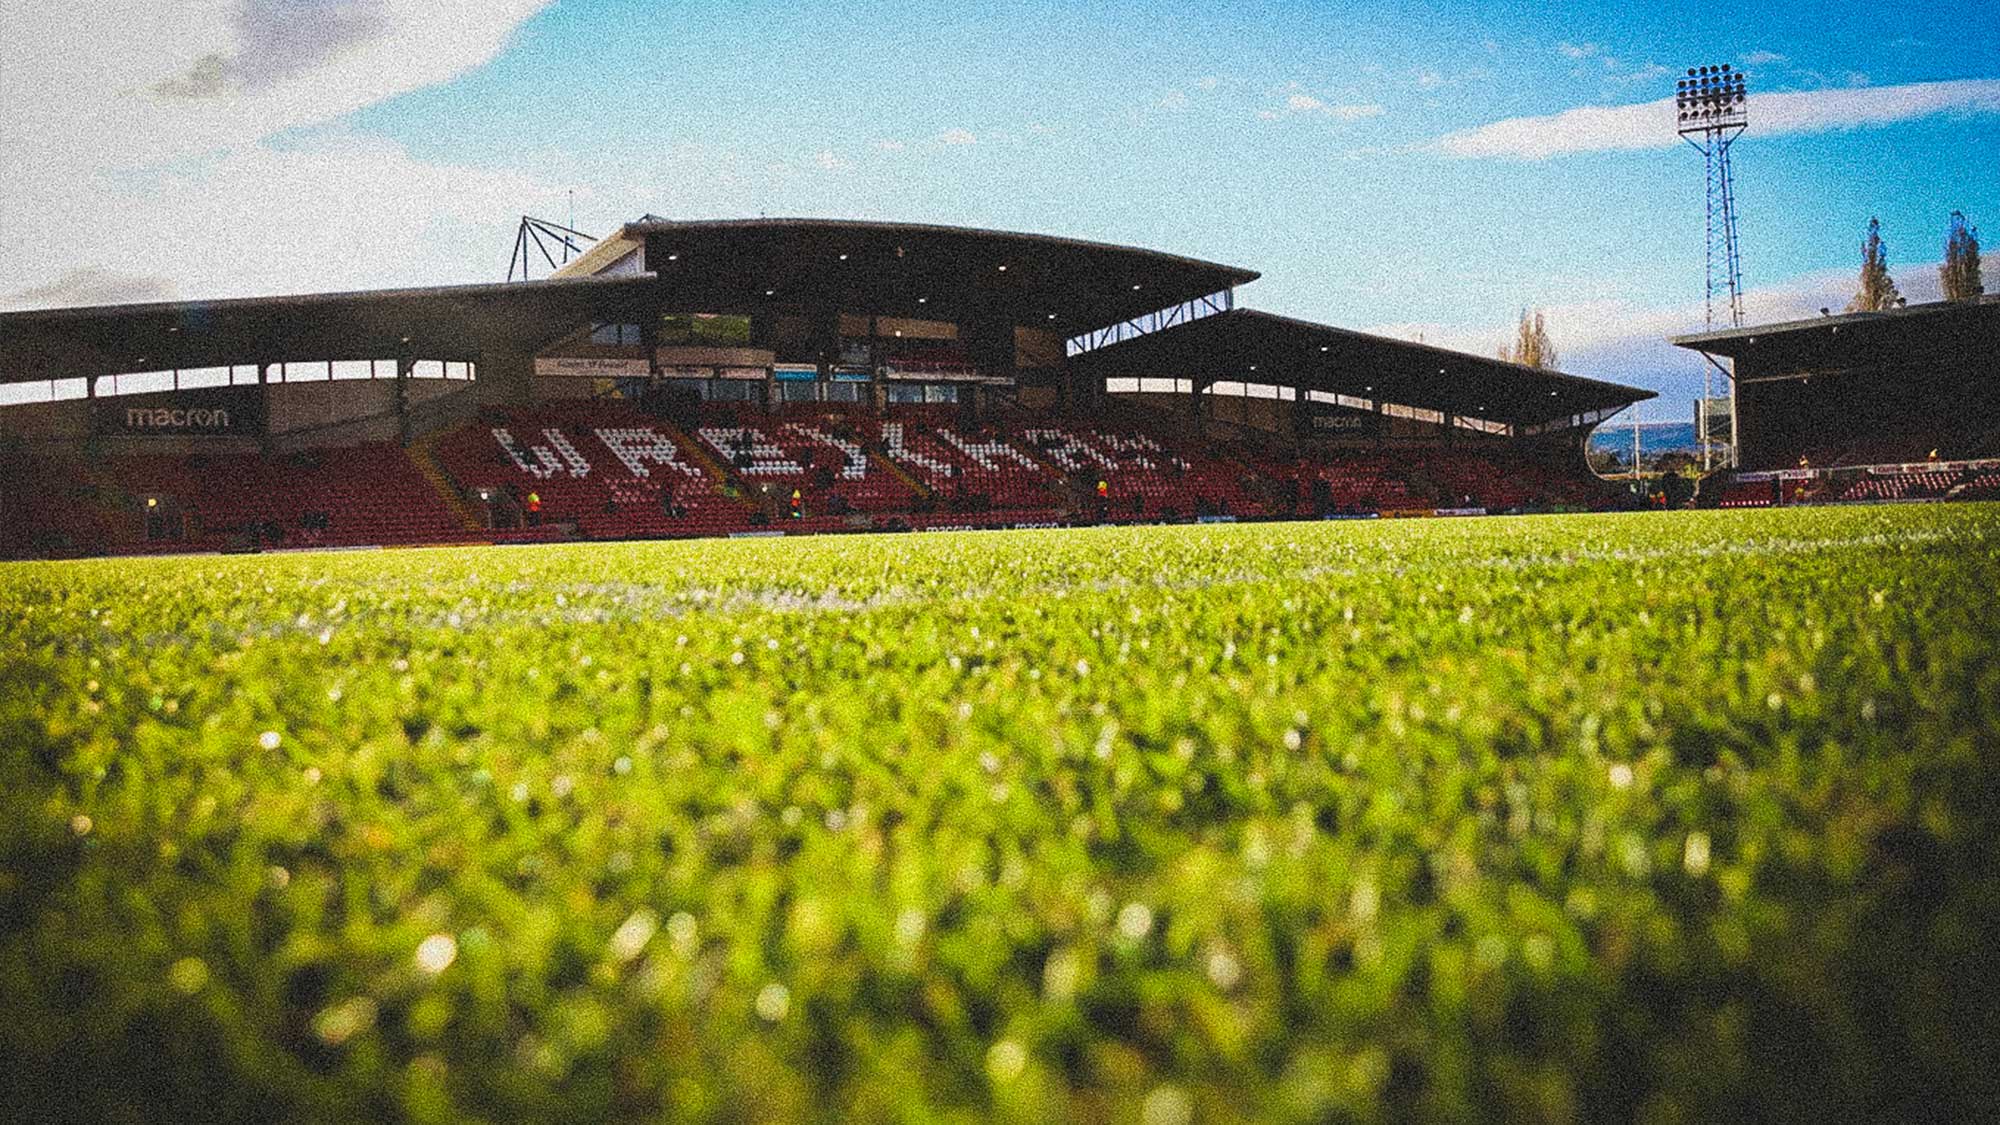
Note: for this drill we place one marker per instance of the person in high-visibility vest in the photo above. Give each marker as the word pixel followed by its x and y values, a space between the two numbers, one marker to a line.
pixel 1103 489
pixel 534 509
pixel 797 504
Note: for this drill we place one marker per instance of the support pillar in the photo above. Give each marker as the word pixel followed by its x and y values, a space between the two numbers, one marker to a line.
pixel 404 365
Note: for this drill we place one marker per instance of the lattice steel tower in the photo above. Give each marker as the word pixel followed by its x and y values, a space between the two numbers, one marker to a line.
pixel 1711 110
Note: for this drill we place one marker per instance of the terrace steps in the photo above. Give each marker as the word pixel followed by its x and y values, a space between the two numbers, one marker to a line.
pixel 425 459
pixel 728 482
pixel 888 464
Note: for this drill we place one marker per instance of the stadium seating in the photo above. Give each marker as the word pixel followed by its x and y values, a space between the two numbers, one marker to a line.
pixel 612 469
pixel 1927 485
pixel 824 457
pixel 1981 484
pixel 1747 494
pixel 364 495
pixel 605 469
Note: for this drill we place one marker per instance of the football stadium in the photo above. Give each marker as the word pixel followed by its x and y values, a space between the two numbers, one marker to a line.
pixel 777 669
pixel 774 376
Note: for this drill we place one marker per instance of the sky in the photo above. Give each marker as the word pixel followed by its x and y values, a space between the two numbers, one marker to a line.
pixel 1420 171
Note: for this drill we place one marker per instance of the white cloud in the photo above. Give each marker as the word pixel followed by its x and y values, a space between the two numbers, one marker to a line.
pixel 956 137
pixel 1207 82
pixel 1577 50
pixel 828 160
pixel 158 81
pixel 1762 58
pixel 1175 100
pixel 346 212
pixel 1298 102
pixel 91 285
pixel 153 119
pixel 1651 72
pixel 887 144
pixel 1648 125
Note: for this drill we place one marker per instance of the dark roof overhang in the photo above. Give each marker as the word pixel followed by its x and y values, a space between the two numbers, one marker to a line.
pixel 458 321
pixel 1257 347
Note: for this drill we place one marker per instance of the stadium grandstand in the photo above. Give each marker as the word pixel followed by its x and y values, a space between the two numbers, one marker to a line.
pixel 768 375
pixel 1900 405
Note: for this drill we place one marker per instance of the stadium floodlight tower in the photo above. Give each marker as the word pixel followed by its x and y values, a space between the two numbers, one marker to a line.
pixel 1711 109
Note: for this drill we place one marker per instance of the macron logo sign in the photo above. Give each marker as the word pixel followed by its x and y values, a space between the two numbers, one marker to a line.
pixel 171 418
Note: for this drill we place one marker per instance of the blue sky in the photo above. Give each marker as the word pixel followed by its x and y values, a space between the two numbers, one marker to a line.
pixel 1385 167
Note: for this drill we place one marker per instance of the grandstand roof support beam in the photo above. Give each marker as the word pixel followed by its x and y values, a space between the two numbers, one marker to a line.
pixel 1735 434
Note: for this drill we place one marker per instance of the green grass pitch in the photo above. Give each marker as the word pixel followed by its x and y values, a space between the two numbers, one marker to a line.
pixel 1657 817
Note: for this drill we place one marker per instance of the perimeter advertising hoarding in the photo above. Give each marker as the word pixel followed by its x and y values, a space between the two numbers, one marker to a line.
pixel 208 411
pixel 591 367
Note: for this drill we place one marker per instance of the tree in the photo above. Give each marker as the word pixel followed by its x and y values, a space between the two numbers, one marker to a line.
pixel 1878 289
pixel 1960 272
pixel 1532 346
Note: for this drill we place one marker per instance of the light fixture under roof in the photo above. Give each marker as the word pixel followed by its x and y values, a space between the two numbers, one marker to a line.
pixel 673 257
pixel 770 292
pixel 1003 269
pixel 923 300
pixel 843 257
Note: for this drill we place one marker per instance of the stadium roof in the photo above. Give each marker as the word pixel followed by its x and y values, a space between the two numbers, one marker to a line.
pixel 1257 347
pixel 1823 339
pixel 445 322
pixel 909 269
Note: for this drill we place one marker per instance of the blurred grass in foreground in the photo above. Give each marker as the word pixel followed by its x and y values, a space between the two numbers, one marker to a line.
pixel 1667 817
